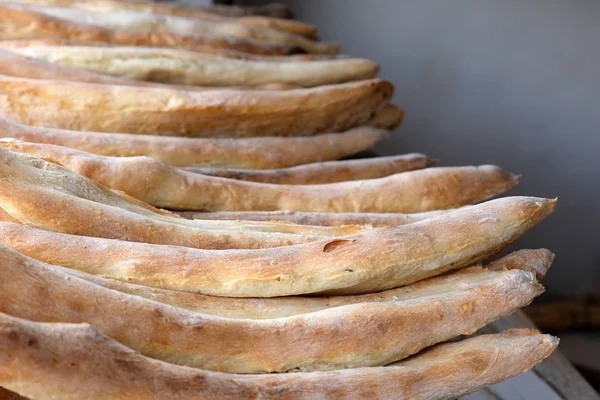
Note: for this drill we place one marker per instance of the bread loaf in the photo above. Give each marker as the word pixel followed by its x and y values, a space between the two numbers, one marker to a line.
pixel 76 360
pixel 361 263
pixel 150 23
pixel 326 172
pixel 45 195
pixel 20 22
pixel 258 152
pixel 359 335
pixel 178 66
pixel 112 108
pixel 161 185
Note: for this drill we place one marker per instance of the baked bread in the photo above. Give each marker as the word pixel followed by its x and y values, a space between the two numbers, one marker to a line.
pixel 187 10
pixel 376 220
pixel 15 236
pixel 45 195
pixel 222 52
pixel 359 335
pixel 219 112
pixel 21 22
pixel 249 153
pixel 285 25
pixel 78 361
pixel 16 64
pixel 344 265
pixel 179 66
pixel 326 172
pixel 161 185
pixel 149 23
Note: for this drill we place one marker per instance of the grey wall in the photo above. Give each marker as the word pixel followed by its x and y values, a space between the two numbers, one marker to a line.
pixel 509 82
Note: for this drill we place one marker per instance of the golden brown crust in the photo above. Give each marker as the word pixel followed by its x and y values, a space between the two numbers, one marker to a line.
pixel 376 220
pixel 327 172
pixel 182 67
pixel 257 152
pixel 76 360
pixel 26 240
pixel 17 23
pixel 109 108
pixel 45 195
pixel 346 265
pixel 161 185
pixel 366 334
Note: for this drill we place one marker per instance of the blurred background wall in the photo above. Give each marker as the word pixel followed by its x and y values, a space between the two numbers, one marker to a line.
pixel 513 82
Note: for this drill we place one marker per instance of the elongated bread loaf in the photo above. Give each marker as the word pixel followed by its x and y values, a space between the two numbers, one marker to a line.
pixel 327 172
pixel 43 360
pixel 111 108
pixel 178 66
pixel 161 185
pixel 15 64
pixel 150 23
pixel 376 220
pixel 27 240
pixel 190 11
pixel 20 22
pixel 285 25
pixel 229 53
pixel 280 307
pixel 366 334
pixel 258 152
pixel 45 195
pixel 345 265
pixel 182 8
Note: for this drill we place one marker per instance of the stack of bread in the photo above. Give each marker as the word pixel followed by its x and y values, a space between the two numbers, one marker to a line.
pixel 175 225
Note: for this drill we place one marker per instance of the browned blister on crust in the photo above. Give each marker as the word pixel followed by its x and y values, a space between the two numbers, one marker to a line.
pixel 257 153
pixel 344 265
pixel 153 111
pixel 161 185
pixel 365 334
pixel 326 172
